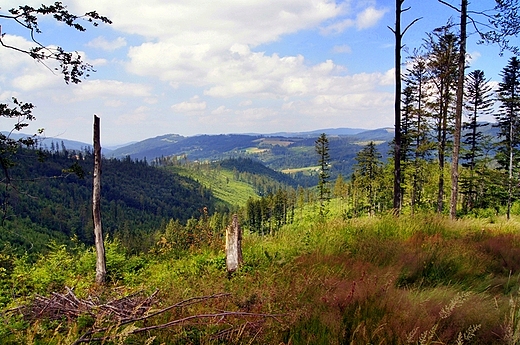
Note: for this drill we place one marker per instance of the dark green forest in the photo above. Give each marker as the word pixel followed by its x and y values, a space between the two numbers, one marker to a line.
pixel 48 200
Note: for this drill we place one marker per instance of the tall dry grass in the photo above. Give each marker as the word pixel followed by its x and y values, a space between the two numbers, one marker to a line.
pixel 386 280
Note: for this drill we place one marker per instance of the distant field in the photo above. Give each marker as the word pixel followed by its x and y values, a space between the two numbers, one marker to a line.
pixel 304 170
pixel 255 150
pixel 276 141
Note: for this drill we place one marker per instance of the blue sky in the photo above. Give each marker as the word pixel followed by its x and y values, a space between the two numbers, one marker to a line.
pixel 223 66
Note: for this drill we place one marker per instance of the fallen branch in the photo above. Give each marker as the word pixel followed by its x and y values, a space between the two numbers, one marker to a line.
pixel 182 321
pixel 58 306
pixel 117 318
pixel 218 318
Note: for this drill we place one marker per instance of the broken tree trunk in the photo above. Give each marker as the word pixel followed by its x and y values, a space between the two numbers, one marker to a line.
pixel 233 246
pixel 96 208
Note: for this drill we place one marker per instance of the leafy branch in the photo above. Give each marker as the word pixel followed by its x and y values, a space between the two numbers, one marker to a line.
pixel 71 64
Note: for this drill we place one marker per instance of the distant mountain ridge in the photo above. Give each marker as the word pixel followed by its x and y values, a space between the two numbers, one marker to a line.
pixel 220 146
pixel 48 142
pixel 282 151
pixel 316 133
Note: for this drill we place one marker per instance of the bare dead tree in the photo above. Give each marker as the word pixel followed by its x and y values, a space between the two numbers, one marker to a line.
pixel 96 208
pixel 397 104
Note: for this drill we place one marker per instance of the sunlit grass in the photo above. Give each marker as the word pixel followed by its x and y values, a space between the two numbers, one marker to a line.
pixel 420 279
pixel 222 184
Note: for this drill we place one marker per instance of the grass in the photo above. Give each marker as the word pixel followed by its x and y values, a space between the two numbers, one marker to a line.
pixel 221 182
pixel 386 280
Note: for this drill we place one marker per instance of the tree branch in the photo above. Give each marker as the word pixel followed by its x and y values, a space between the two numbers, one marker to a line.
pixel 410 25
pixel 218 316
pixel 449 5
pixel 72 67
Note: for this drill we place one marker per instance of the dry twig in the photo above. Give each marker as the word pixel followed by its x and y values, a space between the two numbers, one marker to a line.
pixel 112 317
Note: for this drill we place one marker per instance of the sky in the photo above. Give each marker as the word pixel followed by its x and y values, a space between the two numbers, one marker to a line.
pixel 194 67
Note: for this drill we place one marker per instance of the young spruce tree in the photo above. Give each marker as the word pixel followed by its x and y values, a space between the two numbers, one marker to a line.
pixel 322 149
pixel 479 102
pixel 367 173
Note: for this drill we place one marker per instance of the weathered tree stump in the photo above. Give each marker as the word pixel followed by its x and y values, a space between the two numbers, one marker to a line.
pixel 233 246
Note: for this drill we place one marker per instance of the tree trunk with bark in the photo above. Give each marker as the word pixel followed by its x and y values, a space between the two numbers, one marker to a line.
pixel 398 33
pixel 96 208
pixel 397 108
pixel 458 110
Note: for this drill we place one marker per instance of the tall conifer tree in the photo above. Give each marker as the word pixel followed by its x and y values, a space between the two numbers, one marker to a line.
pixel 442 64
pixel 479 102
pixel 509 124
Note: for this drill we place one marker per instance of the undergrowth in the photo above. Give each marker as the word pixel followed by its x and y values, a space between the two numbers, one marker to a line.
pixel 420 279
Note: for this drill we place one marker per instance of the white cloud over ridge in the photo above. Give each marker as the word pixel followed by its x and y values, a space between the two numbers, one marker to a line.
pixel 215 50
pixel 193 105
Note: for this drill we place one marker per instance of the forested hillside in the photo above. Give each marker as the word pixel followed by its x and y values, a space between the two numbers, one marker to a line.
pixel 47 202
pixel 294 155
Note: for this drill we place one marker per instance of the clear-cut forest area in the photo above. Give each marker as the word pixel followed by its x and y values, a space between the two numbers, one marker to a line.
pixel 397 235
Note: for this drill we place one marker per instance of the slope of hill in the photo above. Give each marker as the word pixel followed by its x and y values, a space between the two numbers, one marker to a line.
pixel 292 153
pixel 317 133
pixel 56 143
pixel 374 280
pixel 200 147
pixel 136 199
pixel 235 180
pixel 211 147
pixel 283 152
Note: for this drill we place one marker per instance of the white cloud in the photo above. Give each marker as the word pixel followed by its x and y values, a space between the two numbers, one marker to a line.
pixel 217 22
pixel 246 103
pixel 21 71
pixel 369 17
pixel 338 27
pixel 473 57
pixel 214 49
pixel 11 59
pixel 365 19
pixel 151 100
pixel 254 115
pixel 32 80
pixel 388 78
pixel 98 62
pixel 137 116
pixel 97 88
pixel 102 43
pixel 221 110
pixel 209 45
pixel 193 105
pixel 240 72
pixel 114 103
